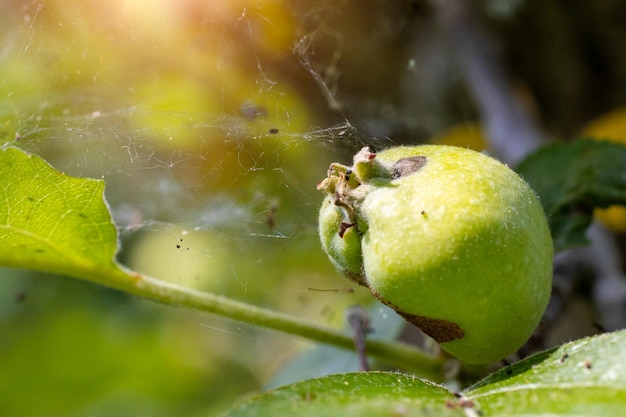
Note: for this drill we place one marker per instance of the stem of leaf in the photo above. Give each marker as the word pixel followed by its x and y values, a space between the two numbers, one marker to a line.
pixel 393 353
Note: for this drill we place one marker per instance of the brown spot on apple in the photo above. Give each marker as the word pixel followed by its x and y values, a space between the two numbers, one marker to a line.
pixel 441 330
pixel 407 166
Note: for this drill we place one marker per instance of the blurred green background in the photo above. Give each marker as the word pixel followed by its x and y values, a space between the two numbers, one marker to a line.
pixel 211 123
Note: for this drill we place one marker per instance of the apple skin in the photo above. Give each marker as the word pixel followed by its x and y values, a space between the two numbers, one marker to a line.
pixel 457 243
pixel 343 247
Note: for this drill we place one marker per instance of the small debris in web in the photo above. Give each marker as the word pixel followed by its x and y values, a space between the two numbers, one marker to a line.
pixel 357 318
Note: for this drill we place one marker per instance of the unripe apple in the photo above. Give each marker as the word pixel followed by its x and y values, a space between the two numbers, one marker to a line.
pixel 456 242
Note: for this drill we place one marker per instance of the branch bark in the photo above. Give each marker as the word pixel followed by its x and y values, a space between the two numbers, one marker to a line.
pixel 511 131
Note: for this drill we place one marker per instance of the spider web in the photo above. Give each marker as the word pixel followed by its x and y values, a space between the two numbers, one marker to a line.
pixel 215 118
pixel 211 123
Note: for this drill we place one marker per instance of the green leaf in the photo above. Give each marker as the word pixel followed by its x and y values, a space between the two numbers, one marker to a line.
pixel 572 179
pixel 355 394
pixel 583 378
pixel 52 222
pixel 586 377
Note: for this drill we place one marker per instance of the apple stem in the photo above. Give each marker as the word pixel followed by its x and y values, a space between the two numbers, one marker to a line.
pixel 393 353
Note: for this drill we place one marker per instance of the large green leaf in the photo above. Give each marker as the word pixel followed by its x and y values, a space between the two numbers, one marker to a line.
pixel 52 222
pixel 353 394
pixel 583 378
pixel 572 179
pixel 586 377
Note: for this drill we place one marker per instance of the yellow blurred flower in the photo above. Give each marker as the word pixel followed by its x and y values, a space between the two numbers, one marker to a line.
pixel 612 127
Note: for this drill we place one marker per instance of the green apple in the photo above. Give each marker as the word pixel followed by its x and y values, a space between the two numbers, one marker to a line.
pixel 455 241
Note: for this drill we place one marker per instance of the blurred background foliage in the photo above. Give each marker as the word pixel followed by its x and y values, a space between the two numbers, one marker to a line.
pixel 211 123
